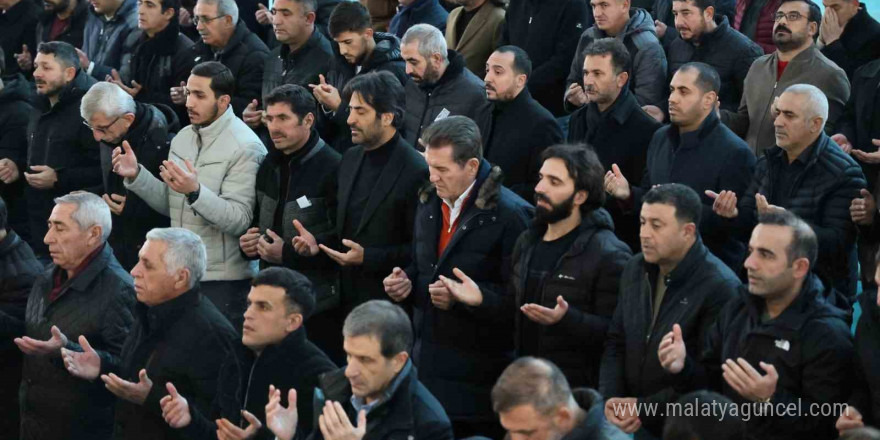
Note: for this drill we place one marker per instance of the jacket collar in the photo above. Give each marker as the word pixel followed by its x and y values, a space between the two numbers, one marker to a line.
pixel 387 49
pixel 685 268
pixel 857 31
pixel 453 70
pixel 488 187
pixel 70 94
pixel 291 345
pixel 103 259
pixel 313 41
pixel 776 154
pixel 162 316
pixel 591 223
pixel 723 26
pixel 210 132
pixel 241 31
pixel 519 101
pixel 810 303
pixel 706 127
pixel 163 43
pixel 127 7
pixel 807 56
pixel 619 111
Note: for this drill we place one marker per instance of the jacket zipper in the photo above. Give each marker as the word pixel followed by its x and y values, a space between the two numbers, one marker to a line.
pixel 247 391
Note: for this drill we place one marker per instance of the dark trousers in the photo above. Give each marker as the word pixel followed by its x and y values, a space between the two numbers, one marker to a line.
pixel 230 298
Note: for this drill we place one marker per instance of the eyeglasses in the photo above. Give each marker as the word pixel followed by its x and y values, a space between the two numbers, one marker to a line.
pixel 196 20
pixel 790 16
pixel 101 130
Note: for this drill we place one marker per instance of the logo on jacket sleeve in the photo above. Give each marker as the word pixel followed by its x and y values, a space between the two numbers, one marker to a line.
pixel 783 344
pixel 563 276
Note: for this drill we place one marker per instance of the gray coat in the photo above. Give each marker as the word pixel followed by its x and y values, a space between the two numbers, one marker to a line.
pixel 104 40
pixel 754 120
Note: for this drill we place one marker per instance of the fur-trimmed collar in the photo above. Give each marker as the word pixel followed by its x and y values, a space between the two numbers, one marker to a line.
pixel 489 184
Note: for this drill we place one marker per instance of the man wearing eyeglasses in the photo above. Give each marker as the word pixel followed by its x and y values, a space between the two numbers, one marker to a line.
pixel 228 41
pixel 797 60
pixel 116 119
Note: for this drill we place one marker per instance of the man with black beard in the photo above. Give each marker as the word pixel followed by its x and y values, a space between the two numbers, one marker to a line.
pixel 61 20
pixel 567 266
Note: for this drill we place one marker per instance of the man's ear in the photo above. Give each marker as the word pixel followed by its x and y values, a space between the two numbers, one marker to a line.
pixel 399 361
pixel 70 74
pixel 622 78
pixel 387 119
pixel 294 322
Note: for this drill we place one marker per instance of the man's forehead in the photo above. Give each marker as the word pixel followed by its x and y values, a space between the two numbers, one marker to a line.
pixel 793 6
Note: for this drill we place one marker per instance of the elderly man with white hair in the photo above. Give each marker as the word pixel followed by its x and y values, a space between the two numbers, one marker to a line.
pixel 808 174
pixel 84 294
pixel 115 119
pixel 440 84
pixel 178 336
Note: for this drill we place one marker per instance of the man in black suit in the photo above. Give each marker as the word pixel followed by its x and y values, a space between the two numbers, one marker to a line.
pixel 379 181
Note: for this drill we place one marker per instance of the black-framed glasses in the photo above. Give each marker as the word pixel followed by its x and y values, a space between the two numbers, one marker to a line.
pixel 790 16
pixel 102 130
pixel 197 19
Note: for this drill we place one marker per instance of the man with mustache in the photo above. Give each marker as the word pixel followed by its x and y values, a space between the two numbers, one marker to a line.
pixel 613 123
pixel 296 190
pixel 521 128
pixel 808 174
pixel 796 60
pixel 675 280
pixel 207 184
pixel 698 151
pixel 62 20
pixel 567 266
pixel 439 84
pixel 702 35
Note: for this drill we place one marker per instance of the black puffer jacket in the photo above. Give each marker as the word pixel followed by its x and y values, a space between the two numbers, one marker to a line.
pixel 858 45
pixel 59 139
pixel 647 78
pixel 866 388
pixel 696 290
pixel 158 64
pixel 809 344
pixel 19 269
pixel 301 67
pixel 410 412
pixel 548 30
pixel 17 24
pixel 587 276
pixel 244 384
pixel 73 33
pixel 313 176
pixel 821 195
pixel 728 51
pixel 104 40
pixel 96 304
pixel 15 113
pixel 245 55
pixel 457 93
pixel 460 352
pixel 183 341
pixel 148 138
pixel 385 56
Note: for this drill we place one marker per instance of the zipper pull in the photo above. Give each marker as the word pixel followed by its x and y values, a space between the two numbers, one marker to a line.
pixel 530 20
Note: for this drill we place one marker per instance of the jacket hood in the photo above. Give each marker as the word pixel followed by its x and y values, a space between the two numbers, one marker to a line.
pixel 387 50
pixel 15 88
pixel 488 187
pixel 639 21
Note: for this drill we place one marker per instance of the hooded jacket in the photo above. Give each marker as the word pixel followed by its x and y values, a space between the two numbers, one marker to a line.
pixel 59 139
pixel 728 51
pixel 754 119
pixel 158 64
pixel 457 93
pixel 696 290
pixel 385 56
pixel 149 139
pixel 15 113
pixel 245 55
pixel 548 31
pixel 104 40
pixel 809 344
pixel 97 304
pixel 648 72
pixel 462 351
pixel 418 12
pixel 858 45
pixel 226 155
pixel 587 277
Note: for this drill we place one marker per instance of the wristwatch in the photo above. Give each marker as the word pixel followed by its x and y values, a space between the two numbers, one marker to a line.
pixel 193 196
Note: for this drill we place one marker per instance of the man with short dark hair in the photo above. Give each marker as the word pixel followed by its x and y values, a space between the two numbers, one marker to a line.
pixel 613 123
pixel 465 228
pixel 848 35
pixel 796 60
pixel 777 342
pixel 533 398
pixel 675 280
pixel 296 188
pixel 377 395
pixel 566 267
pixel 439 84
pixel 378 184
pixel 274 351
pixel 207 185
pixel 361 50
pixel 698 151
pixel 84 294
pixel 521 128
pixel 62 155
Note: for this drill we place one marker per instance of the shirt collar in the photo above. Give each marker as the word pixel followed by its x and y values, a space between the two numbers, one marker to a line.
pixel 360 404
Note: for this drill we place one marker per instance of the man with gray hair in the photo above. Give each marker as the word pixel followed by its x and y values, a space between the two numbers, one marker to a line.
pixel 532 397
pixel 808 174
pixel 227 40
pixel 178 336
pixel 383 397
pixel 84 294
pixel 440 84
pixel 115 119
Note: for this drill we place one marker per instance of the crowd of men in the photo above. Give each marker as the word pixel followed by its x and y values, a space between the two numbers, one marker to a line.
pixel 545 220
